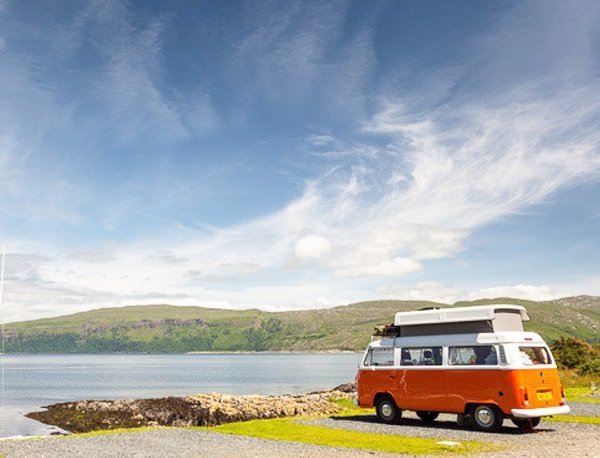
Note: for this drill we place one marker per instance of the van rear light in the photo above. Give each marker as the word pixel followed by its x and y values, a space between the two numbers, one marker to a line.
pixel 528 339
pixel 526 398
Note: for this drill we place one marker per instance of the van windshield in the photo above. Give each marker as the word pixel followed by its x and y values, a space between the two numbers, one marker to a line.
pixel 534 355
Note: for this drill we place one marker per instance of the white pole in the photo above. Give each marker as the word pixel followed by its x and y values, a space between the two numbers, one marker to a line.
pixel 2 325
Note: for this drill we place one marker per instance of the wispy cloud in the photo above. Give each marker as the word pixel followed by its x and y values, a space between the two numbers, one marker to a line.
pixel 293 53
pixel 426 164
pixel 463 170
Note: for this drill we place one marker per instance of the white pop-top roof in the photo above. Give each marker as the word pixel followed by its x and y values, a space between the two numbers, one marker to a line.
pixel 456 315
pixel 460 339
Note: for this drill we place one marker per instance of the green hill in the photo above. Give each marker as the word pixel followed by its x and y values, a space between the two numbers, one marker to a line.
pixel 165 328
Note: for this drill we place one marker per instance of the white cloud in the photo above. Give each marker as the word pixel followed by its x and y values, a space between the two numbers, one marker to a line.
pixel 312 246
pixel 166 257
pixel 424 291
pixel 353 266
pixel 531 292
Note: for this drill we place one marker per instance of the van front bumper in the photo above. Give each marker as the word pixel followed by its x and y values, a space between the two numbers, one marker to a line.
pixel 543 412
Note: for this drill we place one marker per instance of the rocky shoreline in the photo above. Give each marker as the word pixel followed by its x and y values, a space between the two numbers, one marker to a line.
pixel 200 410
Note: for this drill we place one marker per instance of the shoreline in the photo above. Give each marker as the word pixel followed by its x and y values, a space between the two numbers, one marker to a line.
pixel 197 410
pixel 216 352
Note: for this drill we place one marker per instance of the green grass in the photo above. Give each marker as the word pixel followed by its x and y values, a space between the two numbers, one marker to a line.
pixel 574 419
pixel 288 430
pixel 349 409
pixel 580 394
pixel 107 432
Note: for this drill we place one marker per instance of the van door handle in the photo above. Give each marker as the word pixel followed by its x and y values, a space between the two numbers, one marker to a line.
pixel 392 376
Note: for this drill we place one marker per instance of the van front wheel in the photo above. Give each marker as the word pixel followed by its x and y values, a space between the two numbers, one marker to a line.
pixel 487 418
pixel 387 411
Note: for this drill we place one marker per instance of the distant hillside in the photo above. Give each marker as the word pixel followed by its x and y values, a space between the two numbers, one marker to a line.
pixel 165 328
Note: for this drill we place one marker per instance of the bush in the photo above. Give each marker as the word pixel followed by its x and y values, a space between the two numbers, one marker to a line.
pixel 590 367
pixel 574 353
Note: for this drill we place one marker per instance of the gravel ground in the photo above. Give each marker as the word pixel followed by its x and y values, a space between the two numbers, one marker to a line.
pixel 584 408
pixel 168 442
pixel 549 440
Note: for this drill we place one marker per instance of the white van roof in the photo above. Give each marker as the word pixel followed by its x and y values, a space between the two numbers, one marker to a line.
pixel 458 314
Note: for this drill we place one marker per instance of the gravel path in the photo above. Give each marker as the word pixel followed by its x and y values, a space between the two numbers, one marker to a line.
pixel 168 442
pixel 550 439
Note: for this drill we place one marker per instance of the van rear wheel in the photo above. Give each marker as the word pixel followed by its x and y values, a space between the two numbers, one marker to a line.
pixel 526 424
pixel 387 410
pixel 487 418
pixel 427 416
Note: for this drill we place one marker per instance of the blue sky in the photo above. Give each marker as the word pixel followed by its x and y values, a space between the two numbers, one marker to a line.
pixel 290 155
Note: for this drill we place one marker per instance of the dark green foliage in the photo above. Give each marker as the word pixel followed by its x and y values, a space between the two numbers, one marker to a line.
pixel 574 353
pixel 260 337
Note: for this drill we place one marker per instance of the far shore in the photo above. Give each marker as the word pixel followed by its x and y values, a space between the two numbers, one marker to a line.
pixel 210 352
pixel 287 352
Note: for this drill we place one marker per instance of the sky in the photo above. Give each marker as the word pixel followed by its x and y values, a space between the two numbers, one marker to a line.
pixel 297 154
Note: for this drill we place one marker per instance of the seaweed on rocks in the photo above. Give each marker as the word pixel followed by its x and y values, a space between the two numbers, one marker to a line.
pixel 200 410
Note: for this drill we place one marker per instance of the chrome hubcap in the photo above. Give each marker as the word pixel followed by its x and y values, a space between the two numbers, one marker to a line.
pixel 484 416
pixel 386 410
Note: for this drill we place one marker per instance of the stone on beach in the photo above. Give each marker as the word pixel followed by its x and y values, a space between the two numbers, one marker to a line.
pixel 199 410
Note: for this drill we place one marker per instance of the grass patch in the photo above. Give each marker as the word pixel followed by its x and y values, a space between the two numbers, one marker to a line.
pixel 349 409
pixel 286 429
pixel 574 419
pixel 580 394
pixel 107 432
pixel 571 379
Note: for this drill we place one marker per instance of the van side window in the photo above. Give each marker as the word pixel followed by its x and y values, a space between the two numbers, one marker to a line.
pixel 502 355
pixel 422 356
pixel 473 356
pixel 534 355
pixel 380 357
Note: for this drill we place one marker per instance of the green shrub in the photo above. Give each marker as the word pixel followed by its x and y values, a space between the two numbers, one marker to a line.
pixel 591 367
pixel 574 353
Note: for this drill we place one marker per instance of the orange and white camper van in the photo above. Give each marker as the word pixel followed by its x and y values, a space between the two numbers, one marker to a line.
pixel 475 361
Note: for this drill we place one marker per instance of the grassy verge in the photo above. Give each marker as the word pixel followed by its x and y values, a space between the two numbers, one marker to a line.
pixel 349 409
pixel 580 394
pixel 106 432
pixel 287 430
pixel 571 379
pixel 574 419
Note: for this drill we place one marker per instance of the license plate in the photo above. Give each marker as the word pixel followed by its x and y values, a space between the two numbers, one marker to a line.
pixel 544 395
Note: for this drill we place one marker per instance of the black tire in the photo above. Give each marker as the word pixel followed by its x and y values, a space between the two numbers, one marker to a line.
pixel 427 416
pixel 486 418
pixel 387 410
pixel 526 424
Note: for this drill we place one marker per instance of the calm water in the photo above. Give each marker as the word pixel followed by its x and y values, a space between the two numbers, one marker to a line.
pixel 31 381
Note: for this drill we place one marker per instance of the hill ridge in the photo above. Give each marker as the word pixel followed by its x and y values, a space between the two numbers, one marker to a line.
pixel 170 328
